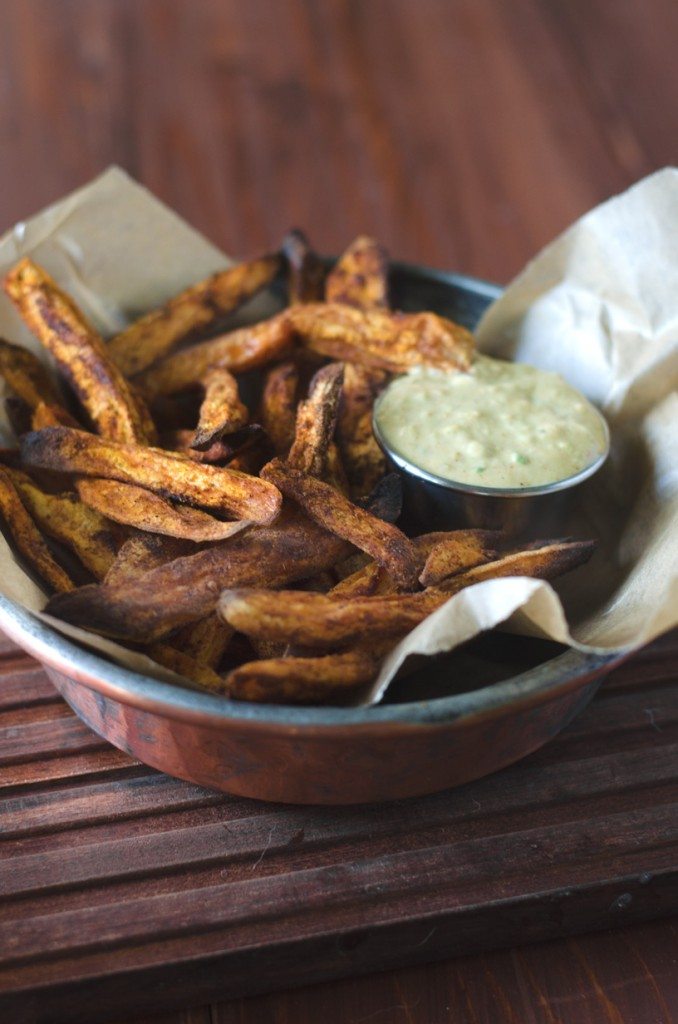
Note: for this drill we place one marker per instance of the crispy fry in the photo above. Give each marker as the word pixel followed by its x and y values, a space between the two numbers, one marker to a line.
pixel 363 459
pixel 241 350
pixel 142 552
pixel 462 549
pixel 170 474
pixel 46 415
pixel 360 276
pixel 194 309
pixel 19 414
pixel 316 419
pixel 322 621
pixel 26 375
pixel 80 353
pixel 383 541
pixel 305 272
pixel 135 506
pixel 386 499
pixel 184 665
pixel 220 452
pixel 92 536
pixel 278 405
pixel 385 341
pixel 370 579
pixel 204 641
pixel 28 539
pixel 303 680
pixel 151 605
pixel 221 411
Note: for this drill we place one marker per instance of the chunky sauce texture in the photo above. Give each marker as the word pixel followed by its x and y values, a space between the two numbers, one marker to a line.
pixel 499 425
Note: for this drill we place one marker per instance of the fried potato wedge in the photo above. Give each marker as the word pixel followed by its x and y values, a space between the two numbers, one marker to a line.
pixel 184 665
pixel 28 538
pixel 169 474
pixel 47 415
pixel 204 641
pixel 323 621
pixel 461 549
pixel 92 536
pixel 145 510
pixel 303 680
pixel 26 376
pixel 19 415
pixel 151 605
pixel 79 352
pixel 244 349
pixel 383 340
pixel 142 552
pixel 316 419
pixel 279 404
pixel 386 544
pixel 193 310
pixel 363 459
pixel 221 411
pixel 360 276
pixel 305 271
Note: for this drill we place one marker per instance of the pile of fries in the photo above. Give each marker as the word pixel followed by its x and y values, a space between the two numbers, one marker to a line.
pixel 166 494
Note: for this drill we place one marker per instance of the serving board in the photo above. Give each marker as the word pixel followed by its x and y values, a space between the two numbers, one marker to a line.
pixel 121 887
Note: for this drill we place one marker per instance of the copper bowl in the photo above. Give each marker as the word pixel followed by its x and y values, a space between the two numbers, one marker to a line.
pixel 459 717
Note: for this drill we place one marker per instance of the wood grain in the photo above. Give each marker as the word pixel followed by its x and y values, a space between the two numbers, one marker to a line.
pixel 123 889
pixel 465 134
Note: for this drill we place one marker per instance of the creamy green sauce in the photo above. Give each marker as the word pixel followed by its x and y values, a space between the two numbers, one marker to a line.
pixel 499 425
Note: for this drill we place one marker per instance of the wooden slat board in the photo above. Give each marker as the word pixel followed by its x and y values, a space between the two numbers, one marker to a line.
pixel 124 888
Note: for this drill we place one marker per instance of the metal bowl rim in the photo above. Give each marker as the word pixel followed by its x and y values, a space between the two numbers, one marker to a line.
pixel 63 655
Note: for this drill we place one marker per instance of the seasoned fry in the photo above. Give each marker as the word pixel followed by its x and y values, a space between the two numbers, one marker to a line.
pixel 19 414
pixel 26 375
pixel 316 419
pixel 92 536
pixel 385 341
pixel 142 552
pixel 278 405
pixel 184 665
pixel 386 500
pixel 303 680
pixel 135 506
pixel 221 411
pixel 241 350
pixel 462 549
pixel 80 354
pixel 384 542
pixel 149 606
pixel 322 621
pixel 363 459
pixel 204 641
pixel 170 474
pixel 305 272
pixel 360 276
pixel 194 309
pixel 45 415
pixel 28 539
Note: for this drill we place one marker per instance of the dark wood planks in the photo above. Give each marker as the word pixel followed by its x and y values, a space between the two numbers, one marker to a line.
pixel 110 871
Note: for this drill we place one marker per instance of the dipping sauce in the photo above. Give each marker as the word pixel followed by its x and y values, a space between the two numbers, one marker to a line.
pixel 498 425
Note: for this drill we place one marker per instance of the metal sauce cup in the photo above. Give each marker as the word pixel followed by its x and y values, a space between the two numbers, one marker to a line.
pixel 432 502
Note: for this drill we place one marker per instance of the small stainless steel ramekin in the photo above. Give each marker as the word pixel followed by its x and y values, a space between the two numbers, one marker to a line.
pixel 432 502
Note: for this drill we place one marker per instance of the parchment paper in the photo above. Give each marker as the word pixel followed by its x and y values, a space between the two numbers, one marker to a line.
pixel 599 305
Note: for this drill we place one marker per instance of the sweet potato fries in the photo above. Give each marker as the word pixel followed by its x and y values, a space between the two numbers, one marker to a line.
pixel 240 528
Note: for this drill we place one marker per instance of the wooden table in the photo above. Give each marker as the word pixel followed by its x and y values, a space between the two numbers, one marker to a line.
pixel 465 134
